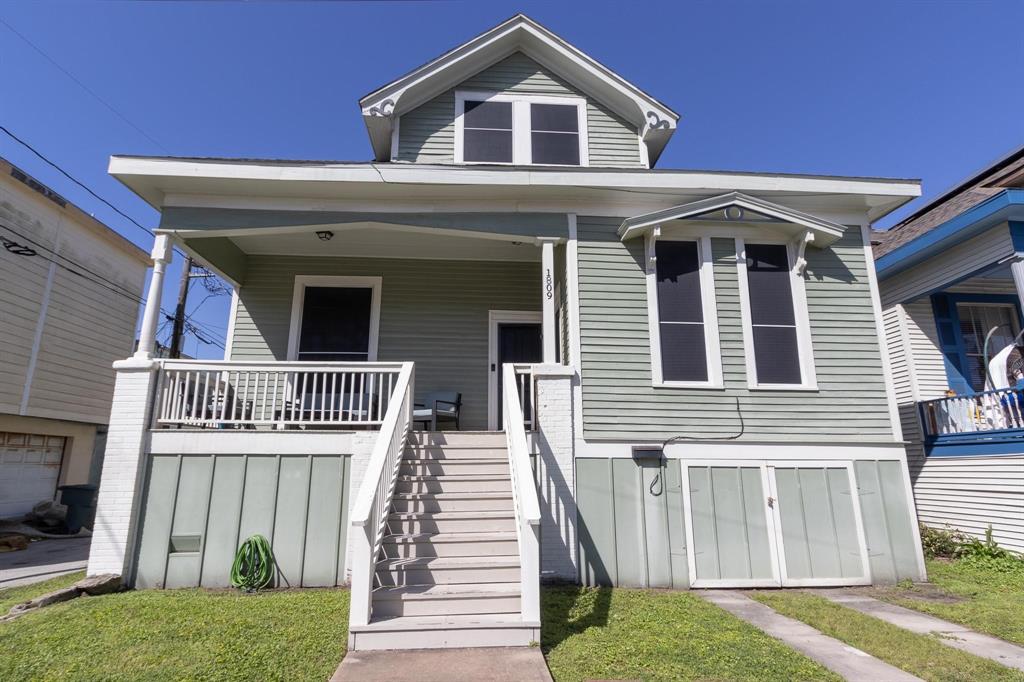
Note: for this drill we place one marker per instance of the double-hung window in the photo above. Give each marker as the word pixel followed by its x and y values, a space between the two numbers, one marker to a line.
pixel 775 323
pixel 520 129
pixel 683 317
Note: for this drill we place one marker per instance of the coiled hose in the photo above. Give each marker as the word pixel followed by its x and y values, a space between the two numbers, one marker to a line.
pixel 254 564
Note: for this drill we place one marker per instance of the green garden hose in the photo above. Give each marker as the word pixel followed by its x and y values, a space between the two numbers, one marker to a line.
pixel 254 564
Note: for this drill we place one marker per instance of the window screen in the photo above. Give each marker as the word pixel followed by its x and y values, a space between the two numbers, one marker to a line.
pixel 976 321
pixel 770 292
pixel 487 132
pixel 336 324
pixel 555 134
pixel 680 312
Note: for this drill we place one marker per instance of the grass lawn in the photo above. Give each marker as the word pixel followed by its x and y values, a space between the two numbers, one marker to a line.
pixel 9 596
pixel 985 600
pixel 921 655
pixel 180 634
pixel 601 633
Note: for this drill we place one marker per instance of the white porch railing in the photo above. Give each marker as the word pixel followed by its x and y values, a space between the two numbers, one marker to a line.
pixel 373 502
pixel 524 390
pixel 216 394
pixel 524 496
pixel 979 413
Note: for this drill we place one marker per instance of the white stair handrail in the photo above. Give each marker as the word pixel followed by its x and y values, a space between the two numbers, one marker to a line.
pixel 373 502
pixel 524 496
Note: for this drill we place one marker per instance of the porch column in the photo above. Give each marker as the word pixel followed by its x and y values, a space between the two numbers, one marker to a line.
pixel 1017 268
pixel 161 254
pixel 547 269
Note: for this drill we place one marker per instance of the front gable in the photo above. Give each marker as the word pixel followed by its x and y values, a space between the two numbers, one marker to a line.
pixel 427 133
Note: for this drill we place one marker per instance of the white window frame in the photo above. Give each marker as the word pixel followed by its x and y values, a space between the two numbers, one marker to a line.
pixel 809 380
pixel 346 282
pixel 521 125
pixel 709 306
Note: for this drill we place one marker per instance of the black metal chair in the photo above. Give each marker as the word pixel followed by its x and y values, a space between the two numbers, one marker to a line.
pixel 438 405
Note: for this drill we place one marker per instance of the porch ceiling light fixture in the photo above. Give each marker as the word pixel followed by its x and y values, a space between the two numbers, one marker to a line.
pixel 324 235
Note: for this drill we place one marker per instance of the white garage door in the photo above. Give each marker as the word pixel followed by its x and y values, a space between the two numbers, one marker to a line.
pixel 29 466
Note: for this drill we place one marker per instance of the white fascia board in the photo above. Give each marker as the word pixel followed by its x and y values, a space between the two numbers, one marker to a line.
pixel 826 231
pixel 151 178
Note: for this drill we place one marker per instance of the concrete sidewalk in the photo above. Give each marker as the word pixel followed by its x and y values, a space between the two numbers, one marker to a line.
pixel 43 559
pixel 953 635
pixel 840 658
pixel 520 664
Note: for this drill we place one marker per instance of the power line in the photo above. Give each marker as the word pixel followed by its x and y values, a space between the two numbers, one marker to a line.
pixel 63 172
pixel 82 85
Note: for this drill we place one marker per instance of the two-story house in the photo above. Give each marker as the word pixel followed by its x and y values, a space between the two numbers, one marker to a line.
pixel 509 348
pixel 952 284
pixel 71 291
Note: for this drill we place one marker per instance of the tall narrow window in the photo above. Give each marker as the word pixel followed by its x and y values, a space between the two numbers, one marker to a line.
pixel 555 134
pixel 772 317
pixel 680 312
pixel 336 324
pixel 487 132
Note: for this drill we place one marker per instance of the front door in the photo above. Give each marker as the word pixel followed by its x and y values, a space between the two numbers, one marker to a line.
pixel 513 341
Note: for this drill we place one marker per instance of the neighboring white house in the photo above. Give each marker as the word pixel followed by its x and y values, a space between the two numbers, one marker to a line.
pixel 71 290
pixel 952 275
pixel 663 378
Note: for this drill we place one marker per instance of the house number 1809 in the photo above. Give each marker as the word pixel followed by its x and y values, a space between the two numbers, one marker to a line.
pixel 548 286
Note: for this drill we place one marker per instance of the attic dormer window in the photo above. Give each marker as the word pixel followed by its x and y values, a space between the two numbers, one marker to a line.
pixel 505 128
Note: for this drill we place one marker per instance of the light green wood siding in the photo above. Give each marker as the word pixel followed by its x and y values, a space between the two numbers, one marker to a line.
pixel 427 134
pixel 199 508
pixel 619 401
pixel 433 313
pixel 629 536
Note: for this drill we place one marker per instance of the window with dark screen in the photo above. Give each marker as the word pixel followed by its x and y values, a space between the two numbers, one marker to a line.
pixel 487 131
pixel 680 312
pixel 336 324
pixel 555 134
pixel 772 317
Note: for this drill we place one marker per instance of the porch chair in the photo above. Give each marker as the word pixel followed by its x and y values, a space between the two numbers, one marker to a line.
pixel 223 405
pixel 438 405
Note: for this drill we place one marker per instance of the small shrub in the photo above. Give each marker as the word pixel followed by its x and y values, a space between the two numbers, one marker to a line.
pixel 941 543
pixel 987 555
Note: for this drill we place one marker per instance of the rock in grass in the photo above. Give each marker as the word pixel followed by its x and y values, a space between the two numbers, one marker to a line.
pixel 95 585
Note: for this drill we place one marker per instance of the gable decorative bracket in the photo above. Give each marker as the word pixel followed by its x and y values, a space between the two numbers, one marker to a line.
pixel 652 238
pixel 801 247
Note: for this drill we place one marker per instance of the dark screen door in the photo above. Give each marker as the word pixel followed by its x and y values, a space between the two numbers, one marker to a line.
pixel 517 342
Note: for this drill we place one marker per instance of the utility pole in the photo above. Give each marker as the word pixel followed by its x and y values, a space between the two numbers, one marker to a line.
pixel 178 330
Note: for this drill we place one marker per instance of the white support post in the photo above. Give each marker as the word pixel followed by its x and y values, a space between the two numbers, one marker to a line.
pixel 1017 268
pixel 548 298
pixel 161 254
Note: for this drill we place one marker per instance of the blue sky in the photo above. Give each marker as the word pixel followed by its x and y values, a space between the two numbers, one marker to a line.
pixel 924 90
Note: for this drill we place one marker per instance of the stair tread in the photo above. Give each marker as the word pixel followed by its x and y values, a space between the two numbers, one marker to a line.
pixel 410 538
pixel 454 477
pixel 452 515
pixel 462 461
pixel 462 591
pixel 466 494
pixel 457 621
pixel 488 561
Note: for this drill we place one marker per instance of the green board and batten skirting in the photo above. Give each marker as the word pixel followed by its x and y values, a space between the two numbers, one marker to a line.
pixel 631 522
pixel 198 509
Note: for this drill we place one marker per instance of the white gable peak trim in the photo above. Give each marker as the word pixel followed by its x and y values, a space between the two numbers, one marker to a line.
pixel 823 232
pixel 382 107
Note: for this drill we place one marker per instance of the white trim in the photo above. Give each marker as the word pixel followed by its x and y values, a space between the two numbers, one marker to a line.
pixel 883 351
pixel 572 279
pixel 396 138
pixel 494 318
pixel 522 128
pixel 298 292
pixel 229 340
pixel 808 377
pixel 712 344
pixel 759 450
pixel 37 337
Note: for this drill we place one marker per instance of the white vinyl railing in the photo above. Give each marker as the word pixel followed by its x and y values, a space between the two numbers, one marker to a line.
pixel 524 496
pixel 524 390
pixel 373 502
pixel 215 394
pixel 997 410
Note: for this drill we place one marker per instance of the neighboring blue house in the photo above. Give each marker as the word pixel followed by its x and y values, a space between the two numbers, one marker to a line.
pixel 952 275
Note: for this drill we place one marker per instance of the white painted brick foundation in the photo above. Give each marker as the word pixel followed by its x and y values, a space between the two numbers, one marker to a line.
pixel 556 471
pixel 121 484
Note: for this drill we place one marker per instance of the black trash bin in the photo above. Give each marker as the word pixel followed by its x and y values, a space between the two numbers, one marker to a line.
pixel 81 503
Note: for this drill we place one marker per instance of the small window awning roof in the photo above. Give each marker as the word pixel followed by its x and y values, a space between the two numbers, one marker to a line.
pixel 736 207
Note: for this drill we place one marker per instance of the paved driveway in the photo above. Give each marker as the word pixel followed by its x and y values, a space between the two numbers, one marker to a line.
pixel 43 559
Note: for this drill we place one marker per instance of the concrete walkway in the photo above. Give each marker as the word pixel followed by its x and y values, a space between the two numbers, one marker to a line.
pixel 43 559
pixel 840 658
pixel 950 634
pixel 523 664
